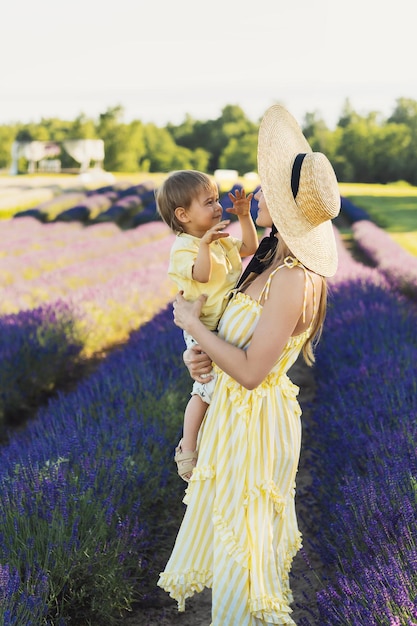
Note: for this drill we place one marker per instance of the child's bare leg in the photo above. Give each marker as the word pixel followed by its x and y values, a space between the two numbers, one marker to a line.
pixel 193 416
pixel 185 453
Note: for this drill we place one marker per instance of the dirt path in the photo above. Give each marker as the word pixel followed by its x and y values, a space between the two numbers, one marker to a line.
pixel 162 611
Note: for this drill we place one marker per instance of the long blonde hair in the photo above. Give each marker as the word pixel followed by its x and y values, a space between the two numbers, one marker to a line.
pixel 282 251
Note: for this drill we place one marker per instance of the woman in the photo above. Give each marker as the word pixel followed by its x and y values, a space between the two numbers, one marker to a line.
pixel 239 533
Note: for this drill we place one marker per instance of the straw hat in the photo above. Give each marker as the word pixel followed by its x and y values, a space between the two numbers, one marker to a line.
pixel 300 189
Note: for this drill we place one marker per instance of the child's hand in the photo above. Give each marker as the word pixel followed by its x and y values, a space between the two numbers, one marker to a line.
pixel 241 202
pixel 216 232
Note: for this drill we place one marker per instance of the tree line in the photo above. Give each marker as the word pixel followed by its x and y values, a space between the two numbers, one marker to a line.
pixel 369 148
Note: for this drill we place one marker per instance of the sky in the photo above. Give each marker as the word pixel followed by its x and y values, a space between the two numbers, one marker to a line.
pixel 162 60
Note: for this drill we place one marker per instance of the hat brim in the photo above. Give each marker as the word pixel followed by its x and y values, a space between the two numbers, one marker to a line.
pixel 280 140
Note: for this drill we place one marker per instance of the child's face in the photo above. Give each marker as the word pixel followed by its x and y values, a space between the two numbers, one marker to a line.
pixel 204 212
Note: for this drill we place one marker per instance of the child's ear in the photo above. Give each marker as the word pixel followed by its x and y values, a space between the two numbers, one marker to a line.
pixel 181 215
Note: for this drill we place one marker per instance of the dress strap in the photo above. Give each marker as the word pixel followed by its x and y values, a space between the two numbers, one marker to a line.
pixel 291 262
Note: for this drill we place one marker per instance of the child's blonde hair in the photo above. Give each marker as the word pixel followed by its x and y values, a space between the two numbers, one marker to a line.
pixel 179 190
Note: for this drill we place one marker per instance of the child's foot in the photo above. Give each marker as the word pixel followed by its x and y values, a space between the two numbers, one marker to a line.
pixel 186 461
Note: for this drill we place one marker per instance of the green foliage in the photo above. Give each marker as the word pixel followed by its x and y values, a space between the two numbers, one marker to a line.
pixel 163 154
pixel 82 128
pixel 240 154
pixel 201 159
pixel 7 136
pixel 124 143
pixel 363 148
pixel 32 132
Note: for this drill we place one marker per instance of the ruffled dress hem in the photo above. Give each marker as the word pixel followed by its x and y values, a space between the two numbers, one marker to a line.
pixel 183 585
pixel 271 610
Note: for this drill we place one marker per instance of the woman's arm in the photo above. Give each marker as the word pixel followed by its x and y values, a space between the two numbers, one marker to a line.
pixel 277 322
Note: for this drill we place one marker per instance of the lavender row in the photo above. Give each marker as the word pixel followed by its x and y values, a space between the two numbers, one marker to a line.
pixel 39 350
pixel 87 488
pixel 364 449
pixel 128 207
pixel 113 281
pixel 31 249
pixel 74 292
pixel 115 294
pixel 122 205
pixel 392 260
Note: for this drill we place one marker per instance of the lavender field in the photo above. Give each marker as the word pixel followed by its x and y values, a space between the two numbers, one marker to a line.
pixel 88 489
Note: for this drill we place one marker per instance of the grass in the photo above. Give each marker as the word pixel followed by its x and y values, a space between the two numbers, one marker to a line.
pixel 139 177
pixel 392 207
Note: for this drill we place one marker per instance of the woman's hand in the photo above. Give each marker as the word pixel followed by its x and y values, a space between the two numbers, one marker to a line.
pixel 198 363
pixel 185 313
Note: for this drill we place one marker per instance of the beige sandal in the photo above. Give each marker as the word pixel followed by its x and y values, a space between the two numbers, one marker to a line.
pixel 186 462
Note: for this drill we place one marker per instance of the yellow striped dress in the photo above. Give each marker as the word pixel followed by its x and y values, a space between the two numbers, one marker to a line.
pixel 240 533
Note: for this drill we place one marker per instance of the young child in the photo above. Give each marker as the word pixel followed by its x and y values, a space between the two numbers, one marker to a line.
pixel 204 260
